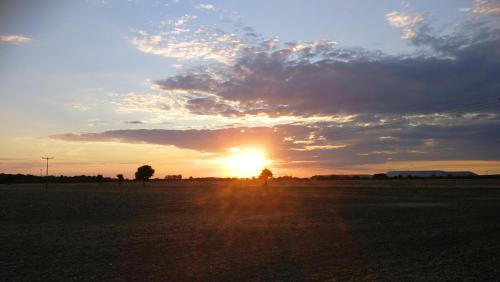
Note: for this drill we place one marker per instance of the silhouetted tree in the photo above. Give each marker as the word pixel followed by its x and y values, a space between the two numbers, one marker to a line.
pixel 144 173
pixel 120 178
pixel 380 176
pixel 99 178
pixel 265 174
pixel 173 177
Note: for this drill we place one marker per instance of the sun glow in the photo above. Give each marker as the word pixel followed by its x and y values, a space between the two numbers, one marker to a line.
pixel 245 162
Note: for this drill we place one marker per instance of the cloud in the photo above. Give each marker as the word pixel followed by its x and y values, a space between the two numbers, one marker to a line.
pixel 183 20
pixel 16 39
pixel 328 145
pixel 484 7
pixel 184 38
pixel 398 19
pixel 79 106
pixel 425 106
pixel 208 106
pixel 95 122
pixel 183 43
pixel 406 22
pixel 217 140
pixel 206 7
pixel 453 73
pixel 135 102
pixel 345 107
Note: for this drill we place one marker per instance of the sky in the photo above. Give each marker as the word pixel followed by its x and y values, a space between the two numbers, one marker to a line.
pixel 201 88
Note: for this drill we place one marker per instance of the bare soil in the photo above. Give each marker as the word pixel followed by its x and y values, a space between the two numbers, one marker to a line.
pixel 399 230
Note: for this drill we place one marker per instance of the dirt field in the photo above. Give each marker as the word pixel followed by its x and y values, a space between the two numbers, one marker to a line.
pixel 420 230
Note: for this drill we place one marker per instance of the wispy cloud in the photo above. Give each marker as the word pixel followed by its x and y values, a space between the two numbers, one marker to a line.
pixel 206 7
pixel 136 102
pixel 183 39
pixel 95 122
pixel 404 21
pixel 183 20
pixel 484 7
pixel 398 19
pixel 77 106
pixel 16 39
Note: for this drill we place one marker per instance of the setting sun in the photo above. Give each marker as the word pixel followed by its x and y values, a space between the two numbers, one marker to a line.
pixel 245 162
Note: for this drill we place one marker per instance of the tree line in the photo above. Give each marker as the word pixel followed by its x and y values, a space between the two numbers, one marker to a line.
pixel 145 173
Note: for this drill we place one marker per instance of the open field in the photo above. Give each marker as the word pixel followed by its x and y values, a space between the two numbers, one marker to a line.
pixel 400 230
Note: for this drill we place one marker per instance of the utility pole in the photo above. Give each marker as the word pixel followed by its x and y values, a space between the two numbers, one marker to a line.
pixel 47 171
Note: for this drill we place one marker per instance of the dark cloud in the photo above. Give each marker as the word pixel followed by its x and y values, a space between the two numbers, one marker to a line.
pixel 216 140
pixel 204 106
pixel 363 140
pixel 133 122
pixel 450 73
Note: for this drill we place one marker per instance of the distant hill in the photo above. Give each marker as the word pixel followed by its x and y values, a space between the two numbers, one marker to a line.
pixel 341 176
pixel 429 173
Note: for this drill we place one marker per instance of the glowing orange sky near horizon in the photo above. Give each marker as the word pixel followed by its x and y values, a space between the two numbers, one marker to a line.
pixel 111 158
